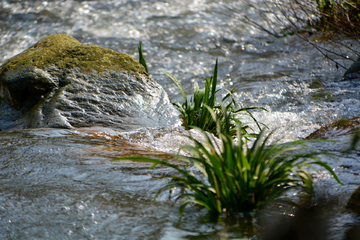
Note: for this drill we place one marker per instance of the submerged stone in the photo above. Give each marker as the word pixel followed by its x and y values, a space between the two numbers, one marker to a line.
pixel 353 73
pixel 59 82
pixel 355 67
pixel 354 201
pixel 341 127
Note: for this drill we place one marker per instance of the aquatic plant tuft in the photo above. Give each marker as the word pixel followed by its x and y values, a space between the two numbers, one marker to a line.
pixel 234 177
pixel 195 112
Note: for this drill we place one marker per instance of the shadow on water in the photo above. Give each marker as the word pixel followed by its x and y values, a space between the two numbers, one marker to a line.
pixel 310 222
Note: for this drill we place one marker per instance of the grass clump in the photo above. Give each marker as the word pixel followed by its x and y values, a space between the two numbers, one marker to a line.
pixel 235 177
pixel 196 111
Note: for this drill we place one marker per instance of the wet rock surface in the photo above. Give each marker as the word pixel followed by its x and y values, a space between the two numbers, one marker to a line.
pixel 354 200
pixel 344 146
pixel 354 70
pixel 59 82
pixel 338 128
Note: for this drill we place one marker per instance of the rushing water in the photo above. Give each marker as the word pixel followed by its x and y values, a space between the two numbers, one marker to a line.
pixel 61 183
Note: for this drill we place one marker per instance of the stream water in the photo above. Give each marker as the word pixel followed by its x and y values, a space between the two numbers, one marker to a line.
pixel 61 184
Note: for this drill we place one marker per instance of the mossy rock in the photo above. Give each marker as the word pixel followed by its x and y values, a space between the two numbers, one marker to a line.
pixel 60 51
pixel 59 82
pixel 344 126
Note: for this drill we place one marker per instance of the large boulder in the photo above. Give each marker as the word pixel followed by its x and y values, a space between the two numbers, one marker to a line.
pixel 59 82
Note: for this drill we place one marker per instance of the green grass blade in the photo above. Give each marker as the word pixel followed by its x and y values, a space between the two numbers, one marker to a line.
pixel 142 59
pixel 214 83
pixel 177 82
pixel 327 167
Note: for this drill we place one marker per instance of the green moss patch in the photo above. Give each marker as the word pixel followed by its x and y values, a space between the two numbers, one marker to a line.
pixel 65 51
